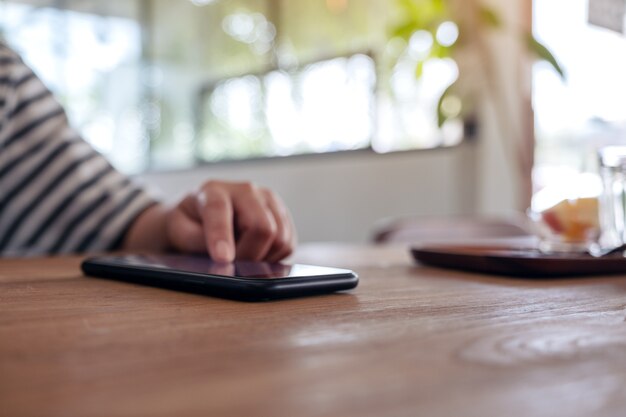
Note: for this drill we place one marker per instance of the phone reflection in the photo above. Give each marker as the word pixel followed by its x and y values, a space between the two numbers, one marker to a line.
pixel 204 265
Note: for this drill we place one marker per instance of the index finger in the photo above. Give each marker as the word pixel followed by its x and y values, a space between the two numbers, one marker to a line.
pixel 216 210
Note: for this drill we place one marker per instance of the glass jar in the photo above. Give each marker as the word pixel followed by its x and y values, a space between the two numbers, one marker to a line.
pixel 612 166
pixel 566 214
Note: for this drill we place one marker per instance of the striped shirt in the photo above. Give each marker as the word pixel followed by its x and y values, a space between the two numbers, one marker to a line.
pixel 57 195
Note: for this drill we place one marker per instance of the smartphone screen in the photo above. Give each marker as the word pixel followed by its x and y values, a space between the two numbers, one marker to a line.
pixel 239 280
pixel 237 269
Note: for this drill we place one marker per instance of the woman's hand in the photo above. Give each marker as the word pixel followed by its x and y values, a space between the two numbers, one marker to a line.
pixel 227 220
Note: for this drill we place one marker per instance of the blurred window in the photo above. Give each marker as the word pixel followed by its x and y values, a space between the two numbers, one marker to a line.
pixel 91 60
pixel 322 107
pixel 576 116
pixel 166 84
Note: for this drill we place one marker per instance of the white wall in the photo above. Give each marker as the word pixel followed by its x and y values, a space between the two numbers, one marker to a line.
pixel 340 197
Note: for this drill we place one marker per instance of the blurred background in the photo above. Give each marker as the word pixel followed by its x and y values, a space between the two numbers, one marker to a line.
pixel 353 110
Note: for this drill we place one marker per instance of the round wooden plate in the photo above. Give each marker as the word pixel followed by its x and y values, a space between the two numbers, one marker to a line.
pixel 521 262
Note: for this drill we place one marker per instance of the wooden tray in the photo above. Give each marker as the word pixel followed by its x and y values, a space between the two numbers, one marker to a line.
pixel 521 262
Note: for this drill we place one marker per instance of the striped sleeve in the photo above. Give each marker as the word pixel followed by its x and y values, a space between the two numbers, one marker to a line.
pixel 57 194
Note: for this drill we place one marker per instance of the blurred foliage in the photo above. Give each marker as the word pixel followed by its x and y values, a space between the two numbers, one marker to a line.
pixel 429 15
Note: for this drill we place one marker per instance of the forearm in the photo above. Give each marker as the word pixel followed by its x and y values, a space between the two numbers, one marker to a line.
pixel 148 231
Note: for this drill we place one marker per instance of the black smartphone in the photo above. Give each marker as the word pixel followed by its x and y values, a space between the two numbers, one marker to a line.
pixel 240 280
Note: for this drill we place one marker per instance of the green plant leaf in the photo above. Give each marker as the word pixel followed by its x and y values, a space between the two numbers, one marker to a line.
pixel 441 115
pixel 489 17
pixel 404 30
pixel 542 52
pixel 440 51
pixel 419 69
pixel 408 6
pixel 425 14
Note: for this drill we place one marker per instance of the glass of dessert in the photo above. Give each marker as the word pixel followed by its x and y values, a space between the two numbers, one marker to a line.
pixel 567 216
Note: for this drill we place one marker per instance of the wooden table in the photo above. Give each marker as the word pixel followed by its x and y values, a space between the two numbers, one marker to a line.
pixel 409 341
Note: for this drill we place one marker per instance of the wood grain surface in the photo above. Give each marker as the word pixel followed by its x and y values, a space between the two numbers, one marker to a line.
pixel 409 341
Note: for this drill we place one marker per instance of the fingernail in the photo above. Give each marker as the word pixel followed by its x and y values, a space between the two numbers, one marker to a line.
pixel 223 251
